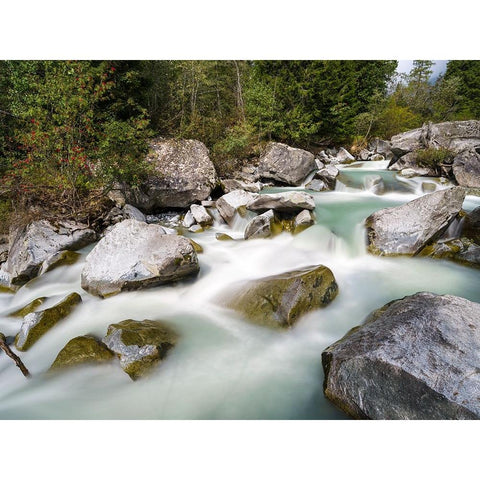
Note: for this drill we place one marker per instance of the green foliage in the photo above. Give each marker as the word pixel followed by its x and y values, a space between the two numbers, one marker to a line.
pixel 77 127
pixel 434 157
pixel 468 74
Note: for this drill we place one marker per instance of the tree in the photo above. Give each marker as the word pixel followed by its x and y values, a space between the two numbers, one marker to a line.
pixel 78 127
pixel 468 74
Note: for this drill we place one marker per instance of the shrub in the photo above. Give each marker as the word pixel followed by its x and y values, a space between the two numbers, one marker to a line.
pixel 434 157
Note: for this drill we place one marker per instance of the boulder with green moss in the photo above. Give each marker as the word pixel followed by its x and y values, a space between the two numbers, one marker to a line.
pixel 287 202
pixel 140 345
pixel 280 300
pixel 36 324
pixel 59 259
pixel 82 350
pixel 29 308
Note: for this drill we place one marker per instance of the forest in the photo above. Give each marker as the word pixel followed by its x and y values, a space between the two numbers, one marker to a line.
pixel 71 129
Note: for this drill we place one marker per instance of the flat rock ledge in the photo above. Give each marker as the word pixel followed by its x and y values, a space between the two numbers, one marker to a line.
pixel 414 358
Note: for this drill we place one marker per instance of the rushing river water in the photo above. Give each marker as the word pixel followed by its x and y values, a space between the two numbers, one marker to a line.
pixel 222 366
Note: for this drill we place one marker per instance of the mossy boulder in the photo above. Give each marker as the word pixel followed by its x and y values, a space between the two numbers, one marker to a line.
pixel 82 350
pixel 280 300
pixel 36 324
pixel 140 345
pixel 197 247
pixel 223 237
pixel 59 259
pixel 29 308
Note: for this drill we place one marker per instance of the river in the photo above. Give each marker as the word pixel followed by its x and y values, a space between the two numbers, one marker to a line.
pixel 224 367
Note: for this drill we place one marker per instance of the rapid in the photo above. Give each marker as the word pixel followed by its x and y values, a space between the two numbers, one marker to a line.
pixel 224 367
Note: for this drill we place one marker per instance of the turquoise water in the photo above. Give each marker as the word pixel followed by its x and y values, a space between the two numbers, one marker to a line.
pixel 224 367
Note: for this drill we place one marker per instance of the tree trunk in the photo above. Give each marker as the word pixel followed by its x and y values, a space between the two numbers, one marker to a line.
pixel 15 358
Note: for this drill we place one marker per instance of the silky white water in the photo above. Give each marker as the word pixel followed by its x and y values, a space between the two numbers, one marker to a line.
pixel 224 367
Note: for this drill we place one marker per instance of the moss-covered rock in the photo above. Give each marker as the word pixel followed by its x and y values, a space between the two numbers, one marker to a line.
pixel 461 250
pixel 140 346
pixel 36 324
pixel 223 237
pixel 82 350
pixel 29 308
pixel 59 259
pixel 280 300
pixel 198 248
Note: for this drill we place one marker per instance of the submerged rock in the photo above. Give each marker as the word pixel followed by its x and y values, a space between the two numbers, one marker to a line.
pixel 80 351
pixel 182 174
pixel 414 358
pixel 37 242
pixel 286 164
pixel 409 228
pixel 290 202
pixel 140 346
pixel 229 204
pixel 137 255
pixel 260 226
pixel 29 308
pixel 280 300
pixel 374 184
pixel 36 324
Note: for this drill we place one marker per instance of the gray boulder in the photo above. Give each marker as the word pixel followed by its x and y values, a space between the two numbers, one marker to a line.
pixel 231 184
pixel 466 168
pixel 260 226
pixel 317 185
pixel 286 164
pixel 282 202
pixel 280 300
pixel 303 220
pixel 407 229
pixel 414 358
pixel 328 175
pixel 229 204
pixel 410 161
pixel 32 245
pixel 140 346
pixel 36 324
pixel 137 255
pixel 182 174
pixel 200 214
pixel 343 156
pixel 364 155
pixel 188 220
pixel 454 136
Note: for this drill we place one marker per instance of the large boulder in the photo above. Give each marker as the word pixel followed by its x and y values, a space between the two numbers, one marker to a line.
pixel 80 351
pixel 453 136
pixel 407 142
pixel 140 346
pixel 466 168
pixel 328 175
pixel 182 174
pixel 38 241
pixel 137 255
pixel 36 324
pixel 414 358
pixel 280 300
pixel 289 202
pixel 407 229
pixel 286 164
pixel 229 204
